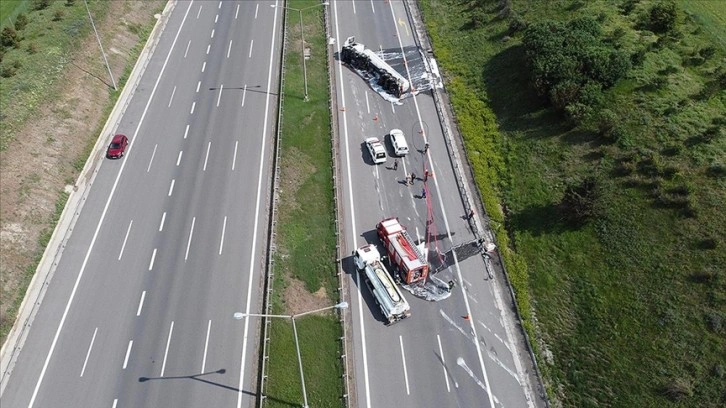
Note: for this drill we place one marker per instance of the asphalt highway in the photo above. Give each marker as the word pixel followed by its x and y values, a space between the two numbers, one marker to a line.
pixel 464 351
pixel 171 240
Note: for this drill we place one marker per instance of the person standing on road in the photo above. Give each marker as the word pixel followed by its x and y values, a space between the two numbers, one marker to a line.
pixel 413 178
pixel 423 192
pixel 426 147
pixel 395 164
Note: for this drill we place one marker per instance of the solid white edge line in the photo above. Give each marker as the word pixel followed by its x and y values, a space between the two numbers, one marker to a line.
pixel 257 211
pixel 234 158
pixel 98 226
pixel 206 346
pixel 448 229
pixel 161 224
pixel 354 233
pixel 153 256
pixel 403 360
pixel 128 354
pixel 88 353
pixel 443 363
pixel 152 157
pixel 171 98
pixel 166 351
pixel 189 243
pixel 171 187
pixel 206 158
pixel 141 303
pixel 123 246
pixel 221 241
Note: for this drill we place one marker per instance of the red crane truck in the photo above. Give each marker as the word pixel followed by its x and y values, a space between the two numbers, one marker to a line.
pixel 402 251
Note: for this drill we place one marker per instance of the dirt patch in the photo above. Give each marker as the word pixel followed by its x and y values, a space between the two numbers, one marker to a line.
pixel 36 167
pixel 297 299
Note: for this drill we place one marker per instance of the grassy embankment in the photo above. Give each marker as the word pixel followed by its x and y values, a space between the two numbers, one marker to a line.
pixel 44 51
pixel 306 238
pixel 629 307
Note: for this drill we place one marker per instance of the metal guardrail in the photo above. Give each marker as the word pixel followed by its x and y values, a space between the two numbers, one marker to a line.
pixel 274 197
pixel 412 7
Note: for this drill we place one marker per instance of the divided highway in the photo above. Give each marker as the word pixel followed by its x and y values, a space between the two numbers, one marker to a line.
pixel 465 351
pixel 172 237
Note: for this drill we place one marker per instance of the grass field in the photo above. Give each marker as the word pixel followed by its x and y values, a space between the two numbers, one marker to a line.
pixel 11 8
pixel 306 239
pixel 627 310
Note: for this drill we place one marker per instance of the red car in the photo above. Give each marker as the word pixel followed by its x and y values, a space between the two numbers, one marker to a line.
pixel 117 147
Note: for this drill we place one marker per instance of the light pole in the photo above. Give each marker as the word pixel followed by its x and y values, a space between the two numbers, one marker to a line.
pixel 341 305
pixel 90 17
pixel 302 37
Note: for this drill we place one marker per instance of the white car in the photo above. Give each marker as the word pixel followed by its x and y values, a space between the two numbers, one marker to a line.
pixel 398 141
pixel 376 149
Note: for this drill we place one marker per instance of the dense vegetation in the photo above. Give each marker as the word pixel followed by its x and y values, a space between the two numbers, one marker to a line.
pixel 599 142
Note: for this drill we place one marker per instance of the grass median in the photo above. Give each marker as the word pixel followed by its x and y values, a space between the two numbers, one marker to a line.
pixel 305 261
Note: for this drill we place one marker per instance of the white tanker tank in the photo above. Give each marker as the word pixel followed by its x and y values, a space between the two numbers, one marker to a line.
pixel 389 298
pixel 363 59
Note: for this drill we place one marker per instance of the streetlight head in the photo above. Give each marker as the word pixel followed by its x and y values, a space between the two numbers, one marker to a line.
pixel 342 305
pixel 326 3
pixel 239 315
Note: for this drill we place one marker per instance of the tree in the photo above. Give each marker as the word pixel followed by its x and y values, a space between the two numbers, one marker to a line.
pixel 663 16
pixel 579 203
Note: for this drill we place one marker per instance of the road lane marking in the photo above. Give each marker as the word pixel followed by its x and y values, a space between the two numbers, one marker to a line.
pixel 189 243
pixel 115 402
pixel 403 360
pixel 178 159
pixel 204 65
pixel 353 229
pixel 373 7
pixel 252 43
pixel 200 11
pixel 206 346
pixel 221 241
pixel 161 224
pixel 244 94
pixel 166 352
pixel 460 361
pixel 208 47
pixel 206 158
pixel 443 363
pixel 153 256
pixel 120 254
pixel 219 97
pixel 257 217
pixel 234 158
pixel 194 104
pixel 141 303
pixel 229 48
pixel 187 50
pixel 152 158
pixel 216 18
pixel 186 132
pixel 199 85
pixel 368 106
pixel 171 98
pixel 128 353
pixel 171 187
pixel 236 12
pixel 88 353
pixel 100 221
pixel 257 8
pixel 212 36
pixel 220 5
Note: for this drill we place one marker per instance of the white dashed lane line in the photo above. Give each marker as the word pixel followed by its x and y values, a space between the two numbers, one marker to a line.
pixel 151 160
pixel 128 353
pixel 153 257
pixel 128 230
pixel 189 242
pixel 141 303
pixel 161 224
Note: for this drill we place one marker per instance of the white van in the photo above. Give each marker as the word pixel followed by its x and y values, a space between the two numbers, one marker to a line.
pixel 398 142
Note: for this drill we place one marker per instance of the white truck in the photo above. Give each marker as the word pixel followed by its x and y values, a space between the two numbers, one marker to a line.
pixel 387 295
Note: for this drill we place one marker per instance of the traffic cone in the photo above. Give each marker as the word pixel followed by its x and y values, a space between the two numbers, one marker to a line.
pixel 466 317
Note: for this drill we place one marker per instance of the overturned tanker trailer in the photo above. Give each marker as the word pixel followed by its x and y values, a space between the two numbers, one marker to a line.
pixel 362 59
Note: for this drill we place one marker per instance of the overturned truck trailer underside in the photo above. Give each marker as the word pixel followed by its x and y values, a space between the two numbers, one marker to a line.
pixel 362 59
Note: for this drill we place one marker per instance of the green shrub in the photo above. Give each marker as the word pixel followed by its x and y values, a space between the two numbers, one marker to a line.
pixel 8 71
pixel 663 16
pixel 678 389
pixel 41 4
pixel 58 15
pixel 21 21
pixel 9 37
